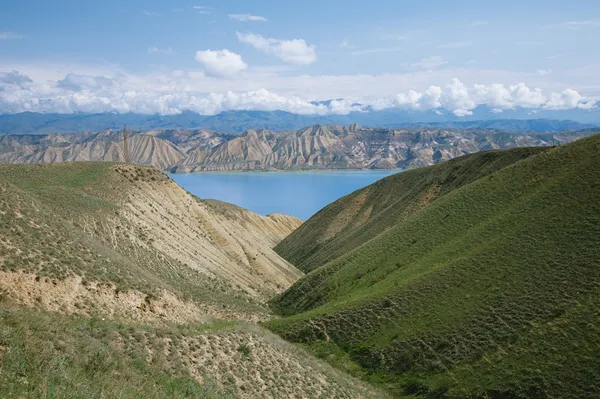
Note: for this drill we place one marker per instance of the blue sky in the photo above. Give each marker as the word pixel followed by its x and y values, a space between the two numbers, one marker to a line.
pixel 210 56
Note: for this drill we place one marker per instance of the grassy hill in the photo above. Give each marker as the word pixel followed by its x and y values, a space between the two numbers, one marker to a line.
pixel 356 218
pixel 116 282
pixel 477 278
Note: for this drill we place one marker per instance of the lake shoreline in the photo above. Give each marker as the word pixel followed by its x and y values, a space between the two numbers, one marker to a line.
pixel 299 193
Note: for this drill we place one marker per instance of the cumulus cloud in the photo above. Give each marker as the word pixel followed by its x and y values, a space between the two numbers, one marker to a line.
pixel 14 78
pixel 460 100
pixel 221 63
pixel 247 17
pixel 76 82
pixel 180 90
pixel 295 51
pixel 430 62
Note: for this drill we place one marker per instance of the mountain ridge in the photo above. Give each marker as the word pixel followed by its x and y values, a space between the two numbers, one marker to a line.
pixel 313 147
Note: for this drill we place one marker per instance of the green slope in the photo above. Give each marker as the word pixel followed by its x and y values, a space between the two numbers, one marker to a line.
pixel 491 290
pixel 356 218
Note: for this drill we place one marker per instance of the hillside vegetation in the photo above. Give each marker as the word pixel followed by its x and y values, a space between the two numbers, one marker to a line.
pixel 356 218
pixel 314 147
pixel 476 278
pixel 115 282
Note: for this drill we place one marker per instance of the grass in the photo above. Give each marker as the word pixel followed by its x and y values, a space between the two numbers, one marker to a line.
pixel 50 355
pixel 65 221
pixel 356 218
pixel 45 355
pixel 489 290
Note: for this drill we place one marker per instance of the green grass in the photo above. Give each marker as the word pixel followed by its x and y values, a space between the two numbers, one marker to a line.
pixel 356 218
pixel 45 355
pixel 489 290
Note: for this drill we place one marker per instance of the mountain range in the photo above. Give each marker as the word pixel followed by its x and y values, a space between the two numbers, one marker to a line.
pixel 315 147
pixel 518 119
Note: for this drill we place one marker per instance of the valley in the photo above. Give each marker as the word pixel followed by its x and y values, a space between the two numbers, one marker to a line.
pixel 474 277
pixel 114 281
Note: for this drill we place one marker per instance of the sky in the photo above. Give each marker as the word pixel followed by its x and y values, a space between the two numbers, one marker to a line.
pixel 157 56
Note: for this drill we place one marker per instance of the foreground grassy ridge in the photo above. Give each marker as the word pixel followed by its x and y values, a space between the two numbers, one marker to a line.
pixel 44 355
pixel 491 290
pixel 64 220
pixel 49 355
pixel 356 218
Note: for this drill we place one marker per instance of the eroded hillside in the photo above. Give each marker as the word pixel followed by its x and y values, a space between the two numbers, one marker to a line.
pixel 315 147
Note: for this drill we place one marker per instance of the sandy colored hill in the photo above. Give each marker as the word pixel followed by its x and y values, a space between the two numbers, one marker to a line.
pixel 314 147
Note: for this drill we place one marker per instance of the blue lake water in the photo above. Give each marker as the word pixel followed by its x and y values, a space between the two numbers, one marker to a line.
pixel 300 194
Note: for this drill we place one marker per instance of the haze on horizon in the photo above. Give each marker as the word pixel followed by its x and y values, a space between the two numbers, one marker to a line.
pixel 150 56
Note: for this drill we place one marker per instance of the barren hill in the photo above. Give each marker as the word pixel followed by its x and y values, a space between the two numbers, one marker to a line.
pixel 315 147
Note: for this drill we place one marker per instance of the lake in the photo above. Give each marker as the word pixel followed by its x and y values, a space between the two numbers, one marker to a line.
pixel 300 194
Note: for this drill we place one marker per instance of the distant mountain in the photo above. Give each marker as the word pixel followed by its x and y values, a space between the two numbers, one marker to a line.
pixel 515 125
pixel 315 147
pixel 239 121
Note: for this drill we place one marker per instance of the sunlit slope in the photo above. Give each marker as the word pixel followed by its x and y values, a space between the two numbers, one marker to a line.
pixel 491 289
pixel 106 230
pixel 358 217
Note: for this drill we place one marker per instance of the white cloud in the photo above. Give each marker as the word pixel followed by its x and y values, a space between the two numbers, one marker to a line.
pixel 10 35
pixel 151 13
pixel 294 51
pixel 221 63
pixel 458 99
pixel 247 17
pixel 430 62
pixel 543 72
pixel 14 78
pixel 455 45
pixel 75 82
pixel 158 50
pixel 567 99
pixel 170 93
pixel 479 23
